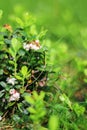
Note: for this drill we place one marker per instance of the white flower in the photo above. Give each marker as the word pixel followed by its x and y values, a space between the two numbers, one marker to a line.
pixel 37 41
pixel 11 80
pixel 12 91
pixel 3 99
pixel 33 46
pixel 0 118
pixel 15 96
pixel 26 46
pixel 11 98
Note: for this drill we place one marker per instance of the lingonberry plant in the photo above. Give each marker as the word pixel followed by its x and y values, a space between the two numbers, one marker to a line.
pixel 29 97
pixel 22 66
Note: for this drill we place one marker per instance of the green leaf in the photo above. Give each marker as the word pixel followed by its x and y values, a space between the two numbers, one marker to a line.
pixel 42 128
pixel 21 52
pixel 53 123
pixel 1 93
pixel 1 13
pixel 65 99
pixel 35 95
pixel 85 72
pixel 42 95
pixel 16 118
pixel 42 34
pixel 24 70
pixel 79 110
pixel 30 100
pixel 10 104
pixel 16 45
pixel 32 110
pixel 11 62
pixel 1 71
pixel 12 52
pixel 19 107
pixel 3 84
pixel 20 22
pixel 18 77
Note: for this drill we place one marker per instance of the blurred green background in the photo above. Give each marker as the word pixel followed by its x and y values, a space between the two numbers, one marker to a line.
pixel 66 22
pixel 47 11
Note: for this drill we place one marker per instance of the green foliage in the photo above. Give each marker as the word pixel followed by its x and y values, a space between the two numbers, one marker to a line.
pixel 34 94
pixel 23 74
pixel 79 110
pixel 65 99
pixel 37 109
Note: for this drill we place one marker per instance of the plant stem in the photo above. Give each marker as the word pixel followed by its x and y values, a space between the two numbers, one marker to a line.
pixel 15 66
pixel 36 126
pixel 23 82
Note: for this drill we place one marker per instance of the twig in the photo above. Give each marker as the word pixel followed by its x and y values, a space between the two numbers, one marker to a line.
pixel 5 114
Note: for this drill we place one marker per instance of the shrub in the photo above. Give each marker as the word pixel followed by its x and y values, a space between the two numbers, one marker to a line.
pixel 28 93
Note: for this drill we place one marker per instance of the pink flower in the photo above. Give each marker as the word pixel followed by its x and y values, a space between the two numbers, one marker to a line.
pixel 33 45
pixel 14 95
pixel 37 41
pixel 12 91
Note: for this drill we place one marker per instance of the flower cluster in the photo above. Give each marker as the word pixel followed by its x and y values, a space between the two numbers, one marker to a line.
pixel 14 95
pixel 33 45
